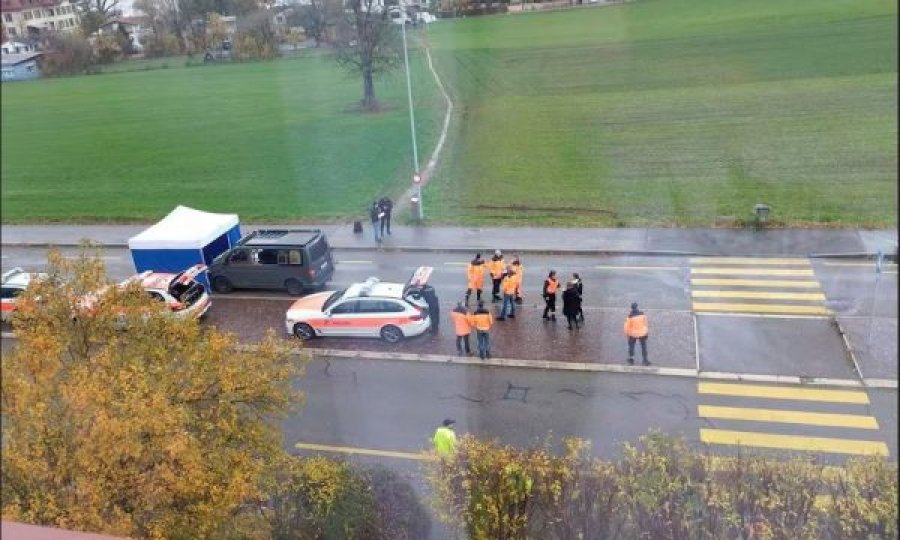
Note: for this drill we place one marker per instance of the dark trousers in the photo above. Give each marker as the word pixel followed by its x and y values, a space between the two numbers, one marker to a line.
pixel 550 305
pixel 386 223
pixel 462 341
pixel 435 317
pixel 643 341
pixel 484 344
pixel 495 292
pixel 477 294
pixel 572 320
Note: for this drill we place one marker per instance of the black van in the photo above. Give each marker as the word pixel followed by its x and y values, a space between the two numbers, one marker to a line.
pixel 294 259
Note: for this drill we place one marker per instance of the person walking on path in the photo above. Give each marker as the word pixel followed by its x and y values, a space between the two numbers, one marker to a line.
pixel 375 216
pixel 475 278
pixel 434 308
pixel 444 439
pixel 636 330
pixel 462 326
pixel 497 267
pixel 551 285
pixel 579 286
pixel 520 272
pixel 571 304
pixel 387 206
pixel 509 286
pixel 482 321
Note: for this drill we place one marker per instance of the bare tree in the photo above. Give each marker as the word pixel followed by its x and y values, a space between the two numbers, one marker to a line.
pixel 368 43
pixel 96 13
pixel 316 18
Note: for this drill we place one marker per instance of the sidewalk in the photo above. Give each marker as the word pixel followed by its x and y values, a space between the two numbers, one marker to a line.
pixel 711 242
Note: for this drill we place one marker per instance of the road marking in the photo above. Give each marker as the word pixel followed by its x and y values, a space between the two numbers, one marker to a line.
pixel 783 392
pixel 762 315
pixel 804 272
pixel 788 417
pixel 749 260
pixel 868 264
pixel 793 442
pixel 353 262
pixel 454 263
pixel 726 282
pixel 230 296
pixel 761 308
pixel 638 267
pixel 765 295
pixel 365 451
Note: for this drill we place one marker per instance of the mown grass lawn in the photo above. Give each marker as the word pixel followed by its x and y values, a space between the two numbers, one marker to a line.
pixel 274 141
pixel 672 112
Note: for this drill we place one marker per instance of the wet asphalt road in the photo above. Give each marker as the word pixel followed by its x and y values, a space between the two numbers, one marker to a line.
pixel 661 285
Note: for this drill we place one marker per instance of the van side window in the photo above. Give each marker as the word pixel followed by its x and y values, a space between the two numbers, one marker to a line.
pixel 267 256
pixel 240 256
pixel 290 256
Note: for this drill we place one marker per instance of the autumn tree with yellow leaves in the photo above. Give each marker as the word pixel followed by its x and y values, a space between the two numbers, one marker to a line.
pixel 118 417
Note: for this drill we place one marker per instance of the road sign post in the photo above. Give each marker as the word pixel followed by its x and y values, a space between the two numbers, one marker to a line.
pixel 879 268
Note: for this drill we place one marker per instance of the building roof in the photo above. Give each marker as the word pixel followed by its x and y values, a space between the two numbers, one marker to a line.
pixel 21 5
pixel 14 59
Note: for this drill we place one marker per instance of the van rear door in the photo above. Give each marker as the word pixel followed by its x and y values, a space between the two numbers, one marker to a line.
pixel 321 263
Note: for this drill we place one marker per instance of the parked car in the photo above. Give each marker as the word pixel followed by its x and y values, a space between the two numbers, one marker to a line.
pixel 399 16
pixel 13 283
pixel 391 311
pixel 297 260
pixel 423 17
pixel 181 292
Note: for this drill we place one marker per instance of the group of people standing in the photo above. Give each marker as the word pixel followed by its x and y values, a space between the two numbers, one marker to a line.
pixel 380 215
pixel 507 288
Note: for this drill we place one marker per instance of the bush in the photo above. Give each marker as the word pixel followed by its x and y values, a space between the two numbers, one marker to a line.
pixel 398 513
pixel 161 45
pixel 256 38
pixel 108 48
pixel 67 54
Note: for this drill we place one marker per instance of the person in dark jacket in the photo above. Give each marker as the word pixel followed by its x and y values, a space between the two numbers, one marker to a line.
pixel 375 214
pixel 579 286
pixel 387 206
pixel 571 304
pixel 434 310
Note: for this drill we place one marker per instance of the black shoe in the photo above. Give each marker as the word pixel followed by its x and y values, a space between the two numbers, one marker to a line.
pixel 570 327
pixel 646 362
pixel 553 318
pixel 546 318
pixel 511 316
pixel 481 356
pixel 631 361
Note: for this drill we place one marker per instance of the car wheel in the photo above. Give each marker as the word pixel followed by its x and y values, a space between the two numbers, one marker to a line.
pixel 304 331
pixel 294 287
pixel 391 334
pixel 222 284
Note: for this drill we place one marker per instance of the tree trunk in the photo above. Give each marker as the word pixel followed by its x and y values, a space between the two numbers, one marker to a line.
pixel 368 100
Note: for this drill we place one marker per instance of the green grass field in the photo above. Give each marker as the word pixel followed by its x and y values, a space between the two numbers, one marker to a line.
pixel 271 141
pixel 657 112
pixel 673 112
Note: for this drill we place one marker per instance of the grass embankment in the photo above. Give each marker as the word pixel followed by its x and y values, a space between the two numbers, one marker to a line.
pixel 672 112
pixel 274 141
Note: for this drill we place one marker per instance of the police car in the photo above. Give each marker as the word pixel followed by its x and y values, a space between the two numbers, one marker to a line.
pixel 14 283
pixel 391 311
pixel 181 292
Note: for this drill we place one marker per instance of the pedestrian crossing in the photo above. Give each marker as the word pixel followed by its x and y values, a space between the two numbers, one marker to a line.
pixel 782 287
pixel 788 418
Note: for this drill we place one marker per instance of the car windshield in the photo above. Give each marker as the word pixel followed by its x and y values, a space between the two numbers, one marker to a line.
pixel 333 298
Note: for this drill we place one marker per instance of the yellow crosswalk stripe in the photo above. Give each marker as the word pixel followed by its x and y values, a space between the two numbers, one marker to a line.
pixel 761 308
pixel 749 260
pixel 788 417
pixel 793 442
pixel 784 392
pixel 764 295
pixel 730 282
pixel 800 272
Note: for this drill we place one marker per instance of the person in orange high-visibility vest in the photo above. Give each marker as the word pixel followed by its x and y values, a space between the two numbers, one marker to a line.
pixel 482 321
pixel 551 285
pixel 520 273
pixel 497 268
pixel 462 327
pixel 509 286
pixel 475 275
pixel 636 330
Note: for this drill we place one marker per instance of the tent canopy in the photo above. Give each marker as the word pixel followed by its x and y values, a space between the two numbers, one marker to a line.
pixel 185 228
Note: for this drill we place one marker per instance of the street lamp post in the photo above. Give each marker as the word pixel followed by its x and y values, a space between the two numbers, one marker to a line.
pixel 412 127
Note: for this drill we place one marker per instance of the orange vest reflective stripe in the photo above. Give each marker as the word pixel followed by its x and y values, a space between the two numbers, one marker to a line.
pixel 510 284
pixel 482 321
pixel 496 268
pixel 552 286
pixel 636 326
pixel 461 323
pixel 475 273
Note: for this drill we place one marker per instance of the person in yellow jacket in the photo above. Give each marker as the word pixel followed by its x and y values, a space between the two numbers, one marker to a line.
pixel 509 286
pixel 551 285
pixel 475 275
pixel 517 267
pixel 444 439
pixel 636 330
pixel 482 321
pixel 462 327
pixel 497 267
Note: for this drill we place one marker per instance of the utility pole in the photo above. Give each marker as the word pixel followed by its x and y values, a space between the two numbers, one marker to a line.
pixel 412 126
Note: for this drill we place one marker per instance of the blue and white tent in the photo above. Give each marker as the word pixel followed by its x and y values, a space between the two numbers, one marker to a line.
pixel 184 238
